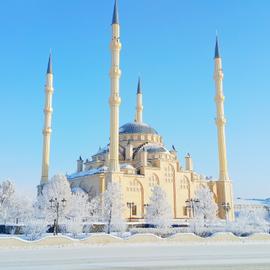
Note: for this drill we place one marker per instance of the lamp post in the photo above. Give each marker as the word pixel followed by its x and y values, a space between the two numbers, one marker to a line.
pixel 130 205
pixel 190 204
pixel 145 207
pixel 227 208
pixel 55 205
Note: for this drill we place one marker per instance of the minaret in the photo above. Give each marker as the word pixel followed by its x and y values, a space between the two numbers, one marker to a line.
pixel 139 108
pixel 220 119
pixel 115 100
pixel 47 123
pixel 224 184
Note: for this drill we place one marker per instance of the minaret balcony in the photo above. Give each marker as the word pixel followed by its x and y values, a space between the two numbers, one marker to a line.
pixel 116 44
pixel 47 131
pixel 115 100
pixel 220 121
pixel 219 98
pixel 115 72
pixel 48 110
pixel 48 89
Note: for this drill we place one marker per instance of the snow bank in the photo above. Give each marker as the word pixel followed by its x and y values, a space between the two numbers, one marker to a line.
pixel 259 237
pixel 7 242
pixel 223 236
pixel 144 238
pixel 103 239
pixel 185 238
pixel 54 241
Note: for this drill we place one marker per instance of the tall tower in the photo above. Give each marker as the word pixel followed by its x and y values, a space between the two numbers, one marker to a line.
pixel 47 123
pixel 224 185
pixel 220 119
pixel 115 100
pixel 139 107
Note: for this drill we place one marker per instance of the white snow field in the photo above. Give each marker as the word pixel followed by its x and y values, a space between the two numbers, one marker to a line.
pixel 196 256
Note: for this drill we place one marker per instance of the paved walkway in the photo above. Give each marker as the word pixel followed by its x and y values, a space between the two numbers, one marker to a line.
pixel 248 256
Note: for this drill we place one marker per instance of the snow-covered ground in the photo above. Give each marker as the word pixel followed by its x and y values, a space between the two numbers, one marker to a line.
pixel 217 256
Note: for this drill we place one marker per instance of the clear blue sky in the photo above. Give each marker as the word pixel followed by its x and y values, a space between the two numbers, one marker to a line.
pixel 170 43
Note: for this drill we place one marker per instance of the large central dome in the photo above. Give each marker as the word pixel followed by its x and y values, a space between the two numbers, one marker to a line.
pixel 141 128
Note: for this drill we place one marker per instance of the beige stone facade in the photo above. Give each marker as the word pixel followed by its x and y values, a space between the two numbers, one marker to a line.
pixel 144 163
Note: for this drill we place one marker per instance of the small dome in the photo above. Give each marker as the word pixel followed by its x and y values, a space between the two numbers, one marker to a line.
pixel 152 148
pixel 132 128
pixel 155 148
pixel 127 166
pixel 160 149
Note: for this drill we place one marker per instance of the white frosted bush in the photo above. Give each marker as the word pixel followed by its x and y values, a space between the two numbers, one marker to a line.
pixel 35 229
pixel 249 221
pixel 74 227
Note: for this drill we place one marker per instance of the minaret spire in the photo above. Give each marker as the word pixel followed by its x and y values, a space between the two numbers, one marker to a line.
pixel 115 100
pixel 224 184
pixel 115 19
pixel 47 123
pixel 139 90
pixel 139 107
pixel 217 48
pixel 49 68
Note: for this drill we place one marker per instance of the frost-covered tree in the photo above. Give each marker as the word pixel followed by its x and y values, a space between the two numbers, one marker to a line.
pixel 159 212
pixel 206 208
pixel 248 221
pixel 7 198
pixel 57 188
pixel 21 210
pixel 113 208
pixel 94 209
pixel 79 205
pixel 78 213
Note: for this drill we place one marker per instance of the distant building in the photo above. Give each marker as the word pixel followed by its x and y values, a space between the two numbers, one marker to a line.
pixel 136 156
pixel 241 204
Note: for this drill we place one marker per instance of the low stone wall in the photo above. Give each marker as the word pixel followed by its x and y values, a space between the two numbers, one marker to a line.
pixel 7 242
pixel 144 238
pixel 54 241
pixel 186 238
pixel 259 237
pixel 104 239
pixel 101 239
pixel 225 237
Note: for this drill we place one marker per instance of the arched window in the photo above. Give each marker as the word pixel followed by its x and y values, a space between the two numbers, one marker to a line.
pixel 134 186
pixel 169 174
pixel 153 180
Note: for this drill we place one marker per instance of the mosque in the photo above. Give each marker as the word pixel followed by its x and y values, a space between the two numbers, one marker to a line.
pixel 136 156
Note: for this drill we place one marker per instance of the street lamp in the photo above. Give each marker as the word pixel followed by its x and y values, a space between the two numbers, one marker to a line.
pixel 145 207
pixel 55 205
pixel 130 205
pixel 227 208
pixel 190 204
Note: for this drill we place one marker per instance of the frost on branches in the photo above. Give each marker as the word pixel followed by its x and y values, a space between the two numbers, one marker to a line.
pixel 13 207
pixel 7 192
pixel 78 213
pixel 35 229
pixel 57 188
pixel 205 211
pixel 248 221
pixel 113 208
pixel 206 208
pixel 94 210
pixel 158 211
